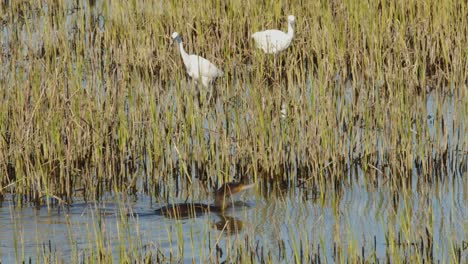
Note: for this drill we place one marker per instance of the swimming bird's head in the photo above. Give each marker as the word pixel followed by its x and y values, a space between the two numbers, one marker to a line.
pixel 224 193
pixel 291 19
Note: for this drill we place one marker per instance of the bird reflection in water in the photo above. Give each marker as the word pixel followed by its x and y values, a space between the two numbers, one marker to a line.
pixel 228 224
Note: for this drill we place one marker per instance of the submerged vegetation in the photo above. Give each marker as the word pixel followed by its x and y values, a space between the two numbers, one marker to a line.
pixel 94 99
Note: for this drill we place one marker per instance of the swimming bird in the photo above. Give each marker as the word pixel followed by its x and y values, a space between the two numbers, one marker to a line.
pixel 198 67
pixel 222 197
pixel 273 41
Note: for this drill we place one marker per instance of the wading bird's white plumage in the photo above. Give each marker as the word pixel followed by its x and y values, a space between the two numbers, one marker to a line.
pixel 198 67
pixel 274 41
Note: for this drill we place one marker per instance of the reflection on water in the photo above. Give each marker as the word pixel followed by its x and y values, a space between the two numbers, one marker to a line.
pixel 228 224
pixel 357 217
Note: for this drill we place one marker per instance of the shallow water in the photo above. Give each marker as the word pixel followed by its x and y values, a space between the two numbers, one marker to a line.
pixel 355 217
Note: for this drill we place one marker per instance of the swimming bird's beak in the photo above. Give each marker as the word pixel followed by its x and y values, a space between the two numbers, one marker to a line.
pixel 248 186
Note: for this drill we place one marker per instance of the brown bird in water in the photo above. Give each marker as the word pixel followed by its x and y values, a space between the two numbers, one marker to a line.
pixel 222 197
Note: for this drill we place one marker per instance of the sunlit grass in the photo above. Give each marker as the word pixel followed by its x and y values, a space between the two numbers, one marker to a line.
pixel 101 99
pixel 95 99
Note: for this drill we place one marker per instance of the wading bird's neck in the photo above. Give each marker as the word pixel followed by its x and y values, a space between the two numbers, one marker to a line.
pixel 185 56
pixel 290 30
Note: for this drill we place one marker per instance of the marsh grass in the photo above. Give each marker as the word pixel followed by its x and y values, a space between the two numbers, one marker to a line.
pixel 95 98
pixel 108 234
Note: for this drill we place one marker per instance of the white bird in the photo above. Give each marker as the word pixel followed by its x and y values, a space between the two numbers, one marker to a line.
pixel 198 67
pixel 274 41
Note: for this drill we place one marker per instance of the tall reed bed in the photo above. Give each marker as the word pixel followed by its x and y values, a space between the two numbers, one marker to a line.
pixel 94 95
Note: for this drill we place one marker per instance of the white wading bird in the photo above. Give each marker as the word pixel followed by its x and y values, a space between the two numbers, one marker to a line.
pixel 198 67
pixel 274 41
